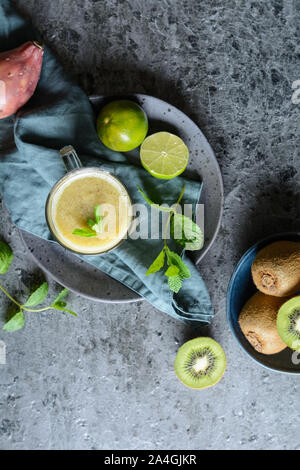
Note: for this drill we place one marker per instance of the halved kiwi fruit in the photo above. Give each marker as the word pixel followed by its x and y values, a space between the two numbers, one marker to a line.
pixel 200 363
pixel 288 323
pixel 276 269
pixel 258 323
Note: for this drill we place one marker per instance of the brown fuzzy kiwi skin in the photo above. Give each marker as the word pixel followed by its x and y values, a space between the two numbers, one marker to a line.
pixel 276 269
pixel 258 323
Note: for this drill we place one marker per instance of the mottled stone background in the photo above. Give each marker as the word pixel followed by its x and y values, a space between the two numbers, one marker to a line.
pixel 106 380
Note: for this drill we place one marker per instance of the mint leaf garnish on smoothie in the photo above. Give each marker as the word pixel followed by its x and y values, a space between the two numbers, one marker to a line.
pixel 84 232
pixel 94 224
pixel 98 220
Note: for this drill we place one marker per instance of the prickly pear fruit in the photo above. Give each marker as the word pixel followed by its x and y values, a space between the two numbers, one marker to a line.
pixel 20 70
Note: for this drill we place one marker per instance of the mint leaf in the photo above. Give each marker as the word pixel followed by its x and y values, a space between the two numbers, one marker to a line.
pixel 97 214
pixel 60 304
pixel 84 232
pixel 175 283
pixel 91 223
pixel 15 323
pixel 172 271
pixel 186 233
pixel 38 296
pixel 61 296
pixel 151 203
pixel 157 264
pixel 175 259
pixel 6 257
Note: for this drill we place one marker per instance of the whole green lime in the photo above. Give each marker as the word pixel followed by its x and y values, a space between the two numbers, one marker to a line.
pixel 122 125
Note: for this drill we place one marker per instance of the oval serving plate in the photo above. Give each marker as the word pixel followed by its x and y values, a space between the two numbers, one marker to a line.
pixel 240 289
pixel 71 272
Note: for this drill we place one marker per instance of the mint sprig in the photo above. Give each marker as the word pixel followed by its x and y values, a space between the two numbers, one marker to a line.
pixel 176 270
pixel 16 322
pixel 95 225
pixel 37 297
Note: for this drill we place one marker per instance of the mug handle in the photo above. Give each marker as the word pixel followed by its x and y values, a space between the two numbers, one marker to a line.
pixel 70 158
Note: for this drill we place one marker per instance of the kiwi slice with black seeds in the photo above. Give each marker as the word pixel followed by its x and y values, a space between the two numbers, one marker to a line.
pixel 288 323
pixel 200 363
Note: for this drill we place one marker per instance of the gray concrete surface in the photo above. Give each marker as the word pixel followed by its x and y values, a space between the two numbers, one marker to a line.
pixel 106 380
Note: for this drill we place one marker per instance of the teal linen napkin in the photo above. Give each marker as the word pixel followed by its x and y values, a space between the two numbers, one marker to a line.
pixel 58 114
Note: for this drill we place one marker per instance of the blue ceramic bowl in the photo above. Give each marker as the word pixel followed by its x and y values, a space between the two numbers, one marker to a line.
pixel 241 288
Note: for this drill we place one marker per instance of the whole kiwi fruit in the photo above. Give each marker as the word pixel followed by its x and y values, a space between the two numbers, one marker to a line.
pixel 276 269
pixel 258 323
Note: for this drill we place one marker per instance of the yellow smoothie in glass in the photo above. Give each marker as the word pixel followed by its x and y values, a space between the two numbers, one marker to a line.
pixel 73 202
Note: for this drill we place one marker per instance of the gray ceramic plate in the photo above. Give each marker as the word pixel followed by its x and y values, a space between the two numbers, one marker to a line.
pixel 78 276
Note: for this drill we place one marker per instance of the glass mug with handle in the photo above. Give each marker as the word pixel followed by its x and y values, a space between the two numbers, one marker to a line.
pixel 88 211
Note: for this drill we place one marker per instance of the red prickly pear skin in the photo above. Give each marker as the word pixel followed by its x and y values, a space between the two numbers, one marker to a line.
pixel 20 71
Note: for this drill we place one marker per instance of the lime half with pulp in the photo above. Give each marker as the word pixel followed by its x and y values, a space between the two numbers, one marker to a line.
pixel 164 155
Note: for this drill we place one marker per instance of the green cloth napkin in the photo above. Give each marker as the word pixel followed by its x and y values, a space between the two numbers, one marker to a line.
pixel 58 114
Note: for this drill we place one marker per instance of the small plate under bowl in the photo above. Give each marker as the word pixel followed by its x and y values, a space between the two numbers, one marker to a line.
pixel 241 288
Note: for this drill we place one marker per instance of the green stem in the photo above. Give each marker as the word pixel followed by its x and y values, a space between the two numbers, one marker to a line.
pixel 36 310
pixel 22 307
pixel 65 310
pixel 10 297
pixel 181 195
pixel 170 215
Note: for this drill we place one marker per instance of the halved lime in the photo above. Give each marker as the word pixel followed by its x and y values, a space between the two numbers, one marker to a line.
pixel 164 155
